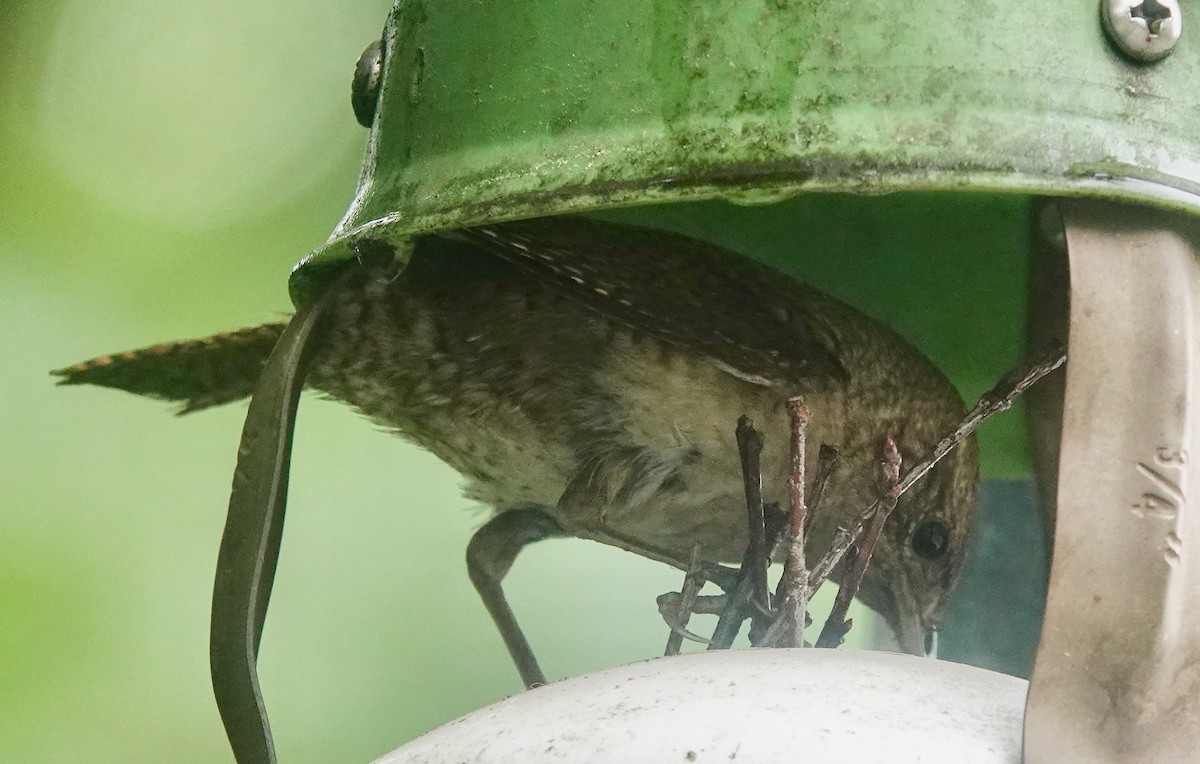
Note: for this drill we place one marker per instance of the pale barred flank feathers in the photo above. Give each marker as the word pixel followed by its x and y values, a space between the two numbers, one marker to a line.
pixel 199 373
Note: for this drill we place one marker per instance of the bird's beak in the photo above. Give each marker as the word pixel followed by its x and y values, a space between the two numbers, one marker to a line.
pixel 910 633
pixel 914 630
pixel 911 619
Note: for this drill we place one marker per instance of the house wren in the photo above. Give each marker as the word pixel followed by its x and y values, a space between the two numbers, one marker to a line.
pixel 585 378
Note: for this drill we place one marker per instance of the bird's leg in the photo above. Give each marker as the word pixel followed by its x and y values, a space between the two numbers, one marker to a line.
pixel 585 516
pixel 757 559
pixel 751 597
pixel 678 611
pixel 738 603
pixel 735 610
pixel 490 554
pixel 721 575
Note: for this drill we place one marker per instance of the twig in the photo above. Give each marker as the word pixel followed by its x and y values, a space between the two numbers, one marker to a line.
pixel 836 626
pixel 820 572
pixel 827 460
pixel 792 594
pixel 693 581
pixel 998 399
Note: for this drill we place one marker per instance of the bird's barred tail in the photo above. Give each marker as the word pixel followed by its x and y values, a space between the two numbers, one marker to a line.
pixel 197 373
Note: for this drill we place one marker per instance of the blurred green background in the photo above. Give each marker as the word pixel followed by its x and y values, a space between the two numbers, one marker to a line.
pixel 161 168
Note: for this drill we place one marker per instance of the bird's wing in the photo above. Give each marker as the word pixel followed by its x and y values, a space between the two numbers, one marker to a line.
pixel 754 323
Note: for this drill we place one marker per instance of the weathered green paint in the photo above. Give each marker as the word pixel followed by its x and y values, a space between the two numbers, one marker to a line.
pixel 524 108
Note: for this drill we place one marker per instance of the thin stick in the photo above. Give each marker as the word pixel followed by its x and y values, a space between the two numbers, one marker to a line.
pixel 793 584
pixel 998 399
pixel 750 444
pixel 693 581
pixel 836 626
pixel 820 572
pixel 827 460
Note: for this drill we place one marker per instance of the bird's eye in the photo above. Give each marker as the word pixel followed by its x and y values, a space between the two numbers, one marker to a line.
pixel 931 539
pixel 364 90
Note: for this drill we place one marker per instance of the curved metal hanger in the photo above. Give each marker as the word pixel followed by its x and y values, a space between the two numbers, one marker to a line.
pixel 253 530
pixel 1116 677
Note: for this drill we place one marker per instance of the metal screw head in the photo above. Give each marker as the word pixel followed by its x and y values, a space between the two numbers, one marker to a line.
pixel 1144 30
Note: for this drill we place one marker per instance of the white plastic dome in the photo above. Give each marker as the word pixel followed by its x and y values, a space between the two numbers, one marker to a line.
pixel 747 706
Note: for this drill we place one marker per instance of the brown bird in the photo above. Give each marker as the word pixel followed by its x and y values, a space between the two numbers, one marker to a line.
pixel 585 378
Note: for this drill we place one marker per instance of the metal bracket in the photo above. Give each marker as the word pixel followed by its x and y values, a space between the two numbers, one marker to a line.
pixel 253 530
pixel 1117 674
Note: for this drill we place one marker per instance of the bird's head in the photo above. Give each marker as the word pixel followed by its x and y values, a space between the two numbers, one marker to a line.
pixel 924 544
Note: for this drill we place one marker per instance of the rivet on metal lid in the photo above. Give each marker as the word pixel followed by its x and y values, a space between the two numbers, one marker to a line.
pixel 364 89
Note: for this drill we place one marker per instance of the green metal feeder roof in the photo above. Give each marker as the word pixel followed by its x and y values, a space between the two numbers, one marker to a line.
pixel 525 108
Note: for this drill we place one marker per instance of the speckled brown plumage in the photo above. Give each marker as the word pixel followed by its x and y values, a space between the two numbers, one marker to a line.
pixel 597 371
pixel 200 373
